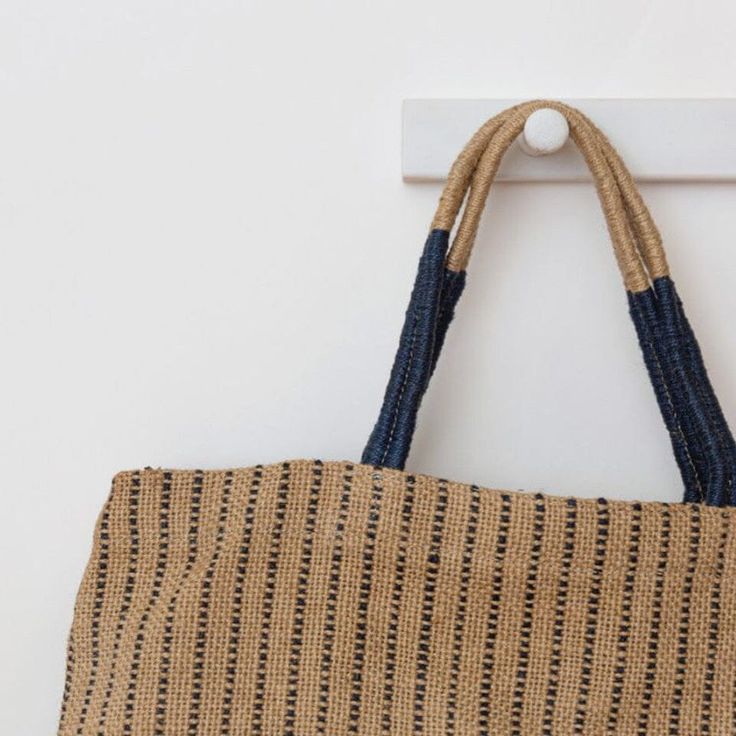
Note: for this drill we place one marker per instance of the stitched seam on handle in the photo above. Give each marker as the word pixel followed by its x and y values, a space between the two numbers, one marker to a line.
pixel 675 417
pixel 402 390
pixel 692 350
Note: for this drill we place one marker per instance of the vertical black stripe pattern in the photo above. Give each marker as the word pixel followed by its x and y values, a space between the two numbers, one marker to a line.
pixel 462 609
pixel 328 635
pixel 525 636
pixel 269 593
pixel 236 622
pixel 204 608
pixel 168 636
pixel 430 587
pixel 397 591
pixel 69 674
pixel 714 630
pixel 130 580
pixel 733 707
pixel 364 596
pixel 560 616
pixel 158 577
pixel 484 709
pixel 103 568
pixel 650 672
pixel 297 631
pixel 558 625
pixel 683 631
pixel 624 629
pixel 591 621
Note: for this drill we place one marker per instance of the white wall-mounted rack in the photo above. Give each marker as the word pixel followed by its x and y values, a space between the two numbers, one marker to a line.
pixel 660 139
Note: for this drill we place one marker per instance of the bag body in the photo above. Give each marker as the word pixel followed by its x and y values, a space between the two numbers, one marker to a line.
pixel 309 597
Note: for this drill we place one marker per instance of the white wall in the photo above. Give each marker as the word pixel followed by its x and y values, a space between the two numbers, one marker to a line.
pixel 207 249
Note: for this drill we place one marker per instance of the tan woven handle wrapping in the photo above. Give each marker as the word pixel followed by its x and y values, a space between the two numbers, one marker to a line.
pixel 700 436
pixel 636 240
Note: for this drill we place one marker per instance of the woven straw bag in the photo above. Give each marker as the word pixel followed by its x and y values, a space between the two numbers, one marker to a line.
pixel 309 598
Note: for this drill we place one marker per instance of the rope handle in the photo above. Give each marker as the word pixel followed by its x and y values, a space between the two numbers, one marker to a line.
pixel 636 239
pixel 702 442
pixel 686 398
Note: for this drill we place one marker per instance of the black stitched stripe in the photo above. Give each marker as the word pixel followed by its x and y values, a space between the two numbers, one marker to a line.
pixel 591 621
pixel 158 576
pixel 517 703
pixel 100 586
pixel 706 714
pixel 488 662
pixel 683 631
pixel 204 609
pixel 67 679
pixel 130 580
pixel 624 630
pixel 268 598
pixel 397 590
pixel 168 635
pixel 237 602
pixel 430 586
pixel 558 625
pixel 297 631
pixel 364 593
pixel 650 672
pixel 733 701
pixel 328 635
pixel 462 609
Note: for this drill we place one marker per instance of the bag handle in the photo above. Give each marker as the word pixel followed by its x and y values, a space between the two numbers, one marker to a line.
pixel 702 442
pixel 615 191
pixel 464 167
pixel 689 407
pixel 700 436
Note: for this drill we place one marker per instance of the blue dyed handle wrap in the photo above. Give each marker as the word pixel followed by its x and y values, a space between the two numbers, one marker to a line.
pixel 702 442
pixel 431 308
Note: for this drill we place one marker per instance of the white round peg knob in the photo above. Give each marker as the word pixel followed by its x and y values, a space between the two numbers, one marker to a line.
pixel 545 131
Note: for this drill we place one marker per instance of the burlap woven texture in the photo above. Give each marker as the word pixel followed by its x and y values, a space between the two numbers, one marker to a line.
pixel 311 598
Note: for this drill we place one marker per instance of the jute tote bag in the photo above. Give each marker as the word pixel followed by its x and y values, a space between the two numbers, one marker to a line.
pixel 309 597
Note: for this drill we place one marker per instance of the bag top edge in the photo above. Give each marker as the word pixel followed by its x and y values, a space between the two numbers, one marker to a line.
pixel 392 474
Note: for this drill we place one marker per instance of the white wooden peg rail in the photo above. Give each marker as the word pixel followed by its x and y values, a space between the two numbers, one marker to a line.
pixel 661 140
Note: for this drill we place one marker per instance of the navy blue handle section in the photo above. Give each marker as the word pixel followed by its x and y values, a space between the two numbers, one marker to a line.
pixel 702 442
pixel 701 438
pixel 431 308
